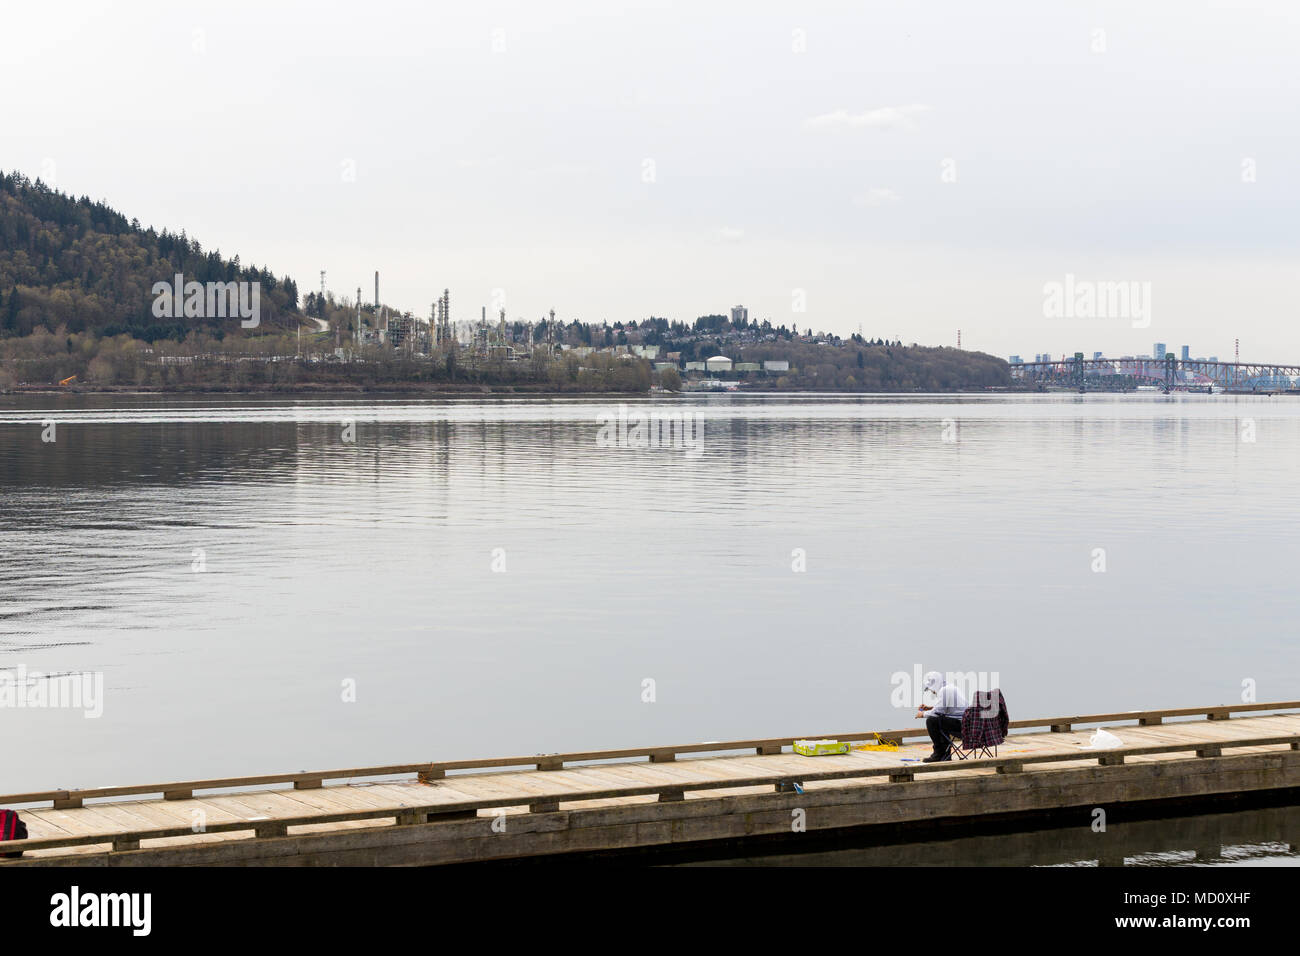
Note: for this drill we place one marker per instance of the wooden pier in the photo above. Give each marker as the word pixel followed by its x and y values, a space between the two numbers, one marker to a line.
pixel 673 796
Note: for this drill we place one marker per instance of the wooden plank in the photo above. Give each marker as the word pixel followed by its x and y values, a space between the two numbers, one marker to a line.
pixel 479 787
pixel 37 824
pixel 397 796
pixel 159 814
pixel 640 773
pixel 321 800
pixel 81 821
pixel 247 807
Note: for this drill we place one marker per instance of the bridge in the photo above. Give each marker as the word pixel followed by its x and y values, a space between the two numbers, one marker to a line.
pixel 1169 373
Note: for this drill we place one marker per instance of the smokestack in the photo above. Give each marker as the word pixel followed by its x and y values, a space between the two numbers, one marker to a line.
pixel 376 288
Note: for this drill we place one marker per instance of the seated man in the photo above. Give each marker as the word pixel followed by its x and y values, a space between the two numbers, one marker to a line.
pixel 945 715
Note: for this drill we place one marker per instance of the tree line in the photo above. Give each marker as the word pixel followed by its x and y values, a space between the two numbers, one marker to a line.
pixel 82 266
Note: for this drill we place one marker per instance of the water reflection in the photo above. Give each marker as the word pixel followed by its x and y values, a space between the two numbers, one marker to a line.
pixel 1257 837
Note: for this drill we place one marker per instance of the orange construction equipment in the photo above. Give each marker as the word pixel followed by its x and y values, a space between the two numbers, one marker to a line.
pixel 69 380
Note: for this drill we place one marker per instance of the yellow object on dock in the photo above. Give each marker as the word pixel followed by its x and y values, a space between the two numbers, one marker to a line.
pixel 820 748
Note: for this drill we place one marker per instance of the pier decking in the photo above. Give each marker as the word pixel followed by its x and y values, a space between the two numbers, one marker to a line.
pixel 549 804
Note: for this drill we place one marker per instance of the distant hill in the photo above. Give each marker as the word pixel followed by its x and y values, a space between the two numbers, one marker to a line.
pixel 861 366
pixel 83 266
pixel 77 299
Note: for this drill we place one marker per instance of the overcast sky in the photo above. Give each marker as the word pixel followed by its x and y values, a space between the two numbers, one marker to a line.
pixel 908 168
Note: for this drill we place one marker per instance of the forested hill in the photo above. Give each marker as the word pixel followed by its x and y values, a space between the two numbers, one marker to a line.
pixel 83 266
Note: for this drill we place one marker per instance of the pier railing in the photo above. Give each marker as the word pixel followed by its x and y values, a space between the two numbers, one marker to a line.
pixel 429 771
pixel 420 813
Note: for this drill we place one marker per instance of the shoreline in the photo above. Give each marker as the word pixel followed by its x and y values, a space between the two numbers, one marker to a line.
pixel 422 388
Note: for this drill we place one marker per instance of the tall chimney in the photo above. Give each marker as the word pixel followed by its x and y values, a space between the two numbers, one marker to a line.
pixel 376 288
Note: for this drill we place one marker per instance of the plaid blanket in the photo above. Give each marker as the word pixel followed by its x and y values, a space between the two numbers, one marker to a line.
pixel 985 722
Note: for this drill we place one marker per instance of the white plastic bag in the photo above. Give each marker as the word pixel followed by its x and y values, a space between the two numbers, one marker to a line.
pixel 1103 740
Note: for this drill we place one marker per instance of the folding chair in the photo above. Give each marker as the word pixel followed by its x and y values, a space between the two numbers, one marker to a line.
pixel 962 752
pixel 985 702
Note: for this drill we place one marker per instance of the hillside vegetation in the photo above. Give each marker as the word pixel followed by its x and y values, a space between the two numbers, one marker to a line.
pixel 81 266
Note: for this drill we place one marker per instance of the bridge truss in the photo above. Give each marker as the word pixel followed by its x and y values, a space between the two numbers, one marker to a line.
pixel 1168 372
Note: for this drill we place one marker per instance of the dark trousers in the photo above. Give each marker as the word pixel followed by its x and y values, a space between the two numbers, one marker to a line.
pixel 940 725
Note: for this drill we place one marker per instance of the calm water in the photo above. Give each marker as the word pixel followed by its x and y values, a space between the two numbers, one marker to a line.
pixel 1254 837
pixel 328 562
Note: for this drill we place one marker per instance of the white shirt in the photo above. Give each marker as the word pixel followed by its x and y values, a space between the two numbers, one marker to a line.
pixel 951 702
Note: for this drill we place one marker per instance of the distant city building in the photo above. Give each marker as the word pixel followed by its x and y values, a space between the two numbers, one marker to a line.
pixel 647 351
pixel 1214 358
pixel 1158 350
pixel 1096 356
pixel 739 314
pixel 1015 360
pixel 1187 352
pixel 695 367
